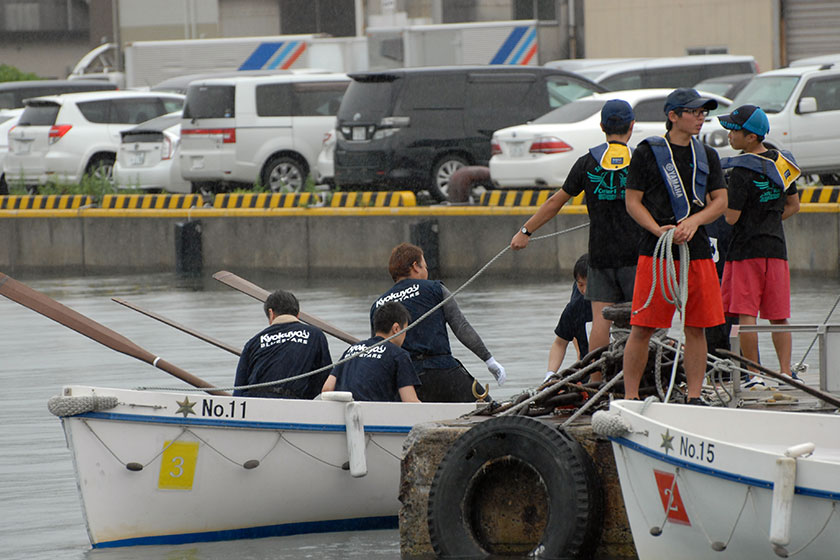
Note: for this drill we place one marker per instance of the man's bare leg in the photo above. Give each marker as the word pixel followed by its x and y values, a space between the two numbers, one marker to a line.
pixel 600 335
pixel 695 359
pixel 748 341
pixel 783 342
pixel 635 359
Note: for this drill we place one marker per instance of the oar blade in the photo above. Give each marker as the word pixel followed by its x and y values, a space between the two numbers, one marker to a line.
pixel 48 307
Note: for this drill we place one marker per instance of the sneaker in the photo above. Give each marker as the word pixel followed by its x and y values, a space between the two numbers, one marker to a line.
pixel 795 376
pixel 695 401
pixel 755 383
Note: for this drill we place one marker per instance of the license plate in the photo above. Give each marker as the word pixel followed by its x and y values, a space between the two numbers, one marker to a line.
pixel 359 133
pixel 136 158
pixel 22 148
pixel 517 149
pixel 197 163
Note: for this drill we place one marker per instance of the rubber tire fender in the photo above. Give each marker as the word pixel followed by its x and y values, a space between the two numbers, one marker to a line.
pixel 572 487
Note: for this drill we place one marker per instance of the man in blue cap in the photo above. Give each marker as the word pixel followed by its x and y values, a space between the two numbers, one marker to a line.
pixel 613 235
pixel 762 193
pixel 675 182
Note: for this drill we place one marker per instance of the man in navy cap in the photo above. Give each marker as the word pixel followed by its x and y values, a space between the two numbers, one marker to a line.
pixel 762 193
pixel 675 183
pixel 613 235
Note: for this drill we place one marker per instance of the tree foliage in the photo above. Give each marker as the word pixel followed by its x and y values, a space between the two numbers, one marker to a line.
pixel 12 74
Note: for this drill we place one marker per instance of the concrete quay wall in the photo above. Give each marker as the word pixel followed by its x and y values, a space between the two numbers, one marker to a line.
pixel 354 242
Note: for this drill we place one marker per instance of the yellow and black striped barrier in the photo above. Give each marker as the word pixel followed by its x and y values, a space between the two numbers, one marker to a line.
pixel 390 199
pixel 266 200
pixel 151 201
pixel 823 195
pixel 322 200
pixel 521 198
pixel 45 202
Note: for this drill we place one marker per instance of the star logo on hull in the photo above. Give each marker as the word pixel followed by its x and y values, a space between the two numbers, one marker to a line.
pixel 185 407
pixel 667 441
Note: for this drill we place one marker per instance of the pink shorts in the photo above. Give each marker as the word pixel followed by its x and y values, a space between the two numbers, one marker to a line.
pixel 703 308
pixel 757 285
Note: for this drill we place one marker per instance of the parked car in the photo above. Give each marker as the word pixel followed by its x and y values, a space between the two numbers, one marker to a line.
pixel 267 129
pixel 541 153
pixel 325 172
pixel 12 94
pixel 414 127
pixel 65 137
pixel 666 72
pixel 8 119
pixel 727 86
pixel 148 156
pixel 803 106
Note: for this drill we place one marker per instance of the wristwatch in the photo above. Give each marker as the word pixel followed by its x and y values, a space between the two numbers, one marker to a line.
pixel 524 230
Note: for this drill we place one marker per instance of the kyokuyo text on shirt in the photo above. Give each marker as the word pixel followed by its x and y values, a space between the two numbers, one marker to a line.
pixel 299 337
pixel 375 352
pixel 402 295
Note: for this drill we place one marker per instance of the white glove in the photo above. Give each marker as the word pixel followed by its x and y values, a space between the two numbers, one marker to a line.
pixel 497 370
pixel 547 375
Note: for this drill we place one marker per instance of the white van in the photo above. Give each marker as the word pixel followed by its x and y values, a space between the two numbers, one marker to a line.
pixel 248 130
pixel 667 72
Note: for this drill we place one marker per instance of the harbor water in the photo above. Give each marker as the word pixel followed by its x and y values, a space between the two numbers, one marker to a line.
pixel 39 503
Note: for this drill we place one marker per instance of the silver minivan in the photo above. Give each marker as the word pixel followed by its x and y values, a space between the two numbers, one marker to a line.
pixel 266 130
pixel 666 72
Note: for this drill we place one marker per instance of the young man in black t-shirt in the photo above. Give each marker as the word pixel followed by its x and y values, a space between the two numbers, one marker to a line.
pixel 284 349
pixel 695 178
pixel 613 235
pixel 762 193
pixel 573 322
pixel 382 372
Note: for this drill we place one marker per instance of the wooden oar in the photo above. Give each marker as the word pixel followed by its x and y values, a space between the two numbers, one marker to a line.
pixel 251 289
pixel 48 307
pixel 179 326
pixel 830 399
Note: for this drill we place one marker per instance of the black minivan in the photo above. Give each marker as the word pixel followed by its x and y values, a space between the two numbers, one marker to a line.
pixel 411 128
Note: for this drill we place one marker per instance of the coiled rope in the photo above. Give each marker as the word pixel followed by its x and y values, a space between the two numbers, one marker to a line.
pixel 359 353
pixel 674 291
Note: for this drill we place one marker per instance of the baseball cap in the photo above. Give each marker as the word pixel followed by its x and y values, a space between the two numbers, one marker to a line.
pixel 688 98
pixel 747 117
pixel 617 112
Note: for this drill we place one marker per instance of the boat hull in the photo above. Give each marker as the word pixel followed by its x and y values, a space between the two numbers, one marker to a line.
pixel 699 482
pixel 167 467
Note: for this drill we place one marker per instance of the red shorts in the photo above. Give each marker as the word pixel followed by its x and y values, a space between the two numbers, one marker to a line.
pixel 703 307
pixel 757 285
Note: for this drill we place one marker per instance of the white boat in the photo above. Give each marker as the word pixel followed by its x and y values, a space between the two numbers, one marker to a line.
pixel 708 482
pixel 174 467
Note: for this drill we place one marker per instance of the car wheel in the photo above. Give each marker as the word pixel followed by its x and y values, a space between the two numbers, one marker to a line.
pixel 284 174
pixel 441 174
pixel 4 187
pixel 832 179
pixel 101 168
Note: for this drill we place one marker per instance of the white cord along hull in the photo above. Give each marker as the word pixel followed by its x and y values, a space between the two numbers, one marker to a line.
pixel 707 482
pixel 169 467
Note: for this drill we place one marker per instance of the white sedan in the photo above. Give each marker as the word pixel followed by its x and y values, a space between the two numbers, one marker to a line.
pixel 147 158
pixel 541 153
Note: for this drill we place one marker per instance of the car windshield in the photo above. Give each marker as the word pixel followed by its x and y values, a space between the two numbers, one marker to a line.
pixel 770 92
pixel 369 99
pixel 572 112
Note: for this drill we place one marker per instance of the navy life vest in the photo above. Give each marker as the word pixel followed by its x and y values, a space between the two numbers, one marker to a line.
pixel 677 192
pixel 782 172
pixel 611 156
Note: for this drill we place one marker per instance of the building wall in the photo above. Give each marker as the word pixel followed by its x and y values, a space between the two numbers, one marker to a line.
pixel 53 59
pixel 618 28
pixel 152 20
pixel 249 18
